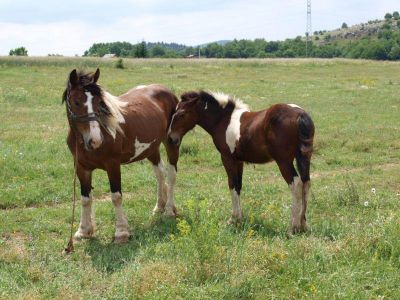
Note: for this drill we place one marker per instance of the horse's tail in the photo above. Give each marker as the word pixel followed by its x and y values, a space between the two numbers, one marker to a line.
pixel 306 136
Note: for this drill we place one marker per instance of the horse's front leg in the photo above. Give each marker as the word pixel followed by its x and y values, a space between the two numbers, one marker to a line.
pixel 234 170
pixel 86 225
pixel 121 224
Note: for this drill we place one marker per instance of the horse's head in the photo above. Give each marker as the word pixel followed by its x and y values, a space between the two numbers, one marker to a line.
pixel 186 116
pixel 83 98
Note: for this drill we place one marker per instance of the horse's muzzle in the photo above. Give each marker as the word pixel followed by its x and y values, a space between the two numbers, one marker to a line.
pixel 174 140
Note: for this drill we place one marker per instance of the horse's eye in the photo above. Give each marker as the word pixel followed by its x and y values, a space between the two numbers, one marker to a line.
pixel 76 102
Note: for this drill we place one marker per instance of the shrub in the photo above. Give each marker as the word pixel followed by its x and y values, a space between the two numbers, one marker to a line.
pixel 21 51
pixel 119 64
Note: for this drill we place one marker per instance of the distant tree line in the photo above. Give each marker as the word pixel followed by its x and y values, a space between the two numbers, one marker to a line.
pixel 385 45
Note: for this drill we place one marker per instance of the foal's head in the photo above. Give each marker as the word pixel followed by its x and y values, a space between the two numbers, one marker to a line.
pixel 84 106
pixel 188 113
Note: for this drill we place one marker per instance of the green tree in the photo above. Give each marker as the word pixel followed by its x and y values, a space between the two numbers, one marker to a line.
pixel 141 50
pixel 157 51
pixel 396 15
pixel 388 16
pixel 344 25
pixel 20 51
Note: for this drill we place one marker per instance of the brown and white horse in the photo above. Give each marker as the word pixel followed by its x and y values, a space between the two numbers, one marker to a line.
pixel 107 131
pixel 282 133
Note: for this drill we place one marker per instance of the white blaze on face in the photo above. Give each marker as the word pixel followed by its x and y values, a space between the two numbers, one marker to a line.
pixel 140 147
pixel 95 132
pixel 294 105
pixel 233 130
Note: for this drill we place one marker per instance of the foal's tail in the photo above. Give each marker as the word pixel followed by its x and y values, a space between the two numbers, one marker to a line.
pixel 306 136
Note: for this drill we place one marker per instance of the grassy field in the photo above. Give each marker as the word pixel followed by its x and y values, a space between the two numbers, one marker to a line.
pixel 352 251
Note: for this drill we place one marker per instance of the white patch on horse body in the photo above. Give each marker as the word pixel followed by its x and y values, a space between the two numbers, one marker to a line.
pixel 294 105
pixel 94 126
pixel 297 190
pixel 142 86
pixel 140 147
pixel 232 134
pixel 170 124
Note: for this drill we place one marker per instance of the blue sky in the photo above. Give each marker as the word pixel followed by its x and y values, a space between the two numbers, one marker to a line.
pixel 71 27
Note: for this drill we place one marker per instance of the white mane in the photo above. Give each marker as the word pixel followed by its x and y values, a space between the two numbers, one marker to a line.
pixel 224 99
pixel 117 111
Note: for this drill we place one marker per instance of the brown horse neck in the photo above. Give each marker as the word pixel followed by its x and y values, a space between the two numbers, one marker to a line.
pixel 212 116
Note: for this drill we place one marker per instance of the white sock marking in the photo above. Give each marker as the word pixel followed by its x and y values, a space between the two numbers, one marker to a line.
pixel 236 209
pixel 233 130
pixel 297 189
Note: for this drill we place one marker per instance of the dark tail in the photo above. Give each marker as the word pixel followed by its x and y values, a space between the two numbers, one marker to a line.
pixel 306 137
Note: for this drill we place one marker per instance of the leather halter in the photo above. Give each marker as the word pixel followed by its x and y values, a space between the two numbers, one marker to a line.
pixel 80 118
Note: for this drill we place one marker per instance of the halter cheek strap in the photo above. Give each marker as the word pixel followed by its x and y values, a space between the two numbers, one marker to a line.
pixel 80 118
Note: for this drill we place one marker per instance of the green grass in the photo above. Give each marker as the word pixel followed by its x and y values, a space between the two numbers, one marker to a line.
pixel 353 250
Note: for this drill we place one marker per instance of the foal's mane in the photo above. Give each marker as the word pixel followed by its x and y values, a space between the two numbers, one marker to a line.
pixel 112 109
pixel 223 100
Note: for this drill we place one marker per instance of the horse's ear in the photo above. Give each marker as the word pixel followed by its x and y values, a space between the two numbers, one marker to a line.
pixel 189 96
pixel 73 78
pixel 96 75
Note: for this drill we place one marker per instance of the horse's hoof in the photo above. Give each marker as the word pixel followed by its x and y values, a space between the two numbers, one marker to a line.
pixel 79 235
pixel 170 212
pixel 299 229
pixel 233 221
pixel 158 210
pixel 121 238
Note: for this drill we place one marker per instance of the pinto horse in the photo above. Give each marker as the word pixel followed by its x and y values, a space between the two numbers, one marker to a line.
pixel 282 133
pixel 107 131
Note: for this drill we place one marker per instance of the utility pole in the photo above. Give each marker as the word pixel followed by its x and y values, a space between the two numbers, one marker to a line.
pixel 308 29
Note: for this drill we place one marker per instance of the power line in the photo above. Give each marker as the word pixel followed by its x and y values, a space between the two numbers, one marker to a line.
pixel 308 29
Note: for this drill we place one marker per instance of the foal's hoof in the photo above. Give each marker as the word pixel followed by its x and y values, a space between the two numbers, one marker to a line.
pixel 80 235
pixel 234 221
pixel 158 210
pixel 121 238
pixel 170 212
pixel 299 229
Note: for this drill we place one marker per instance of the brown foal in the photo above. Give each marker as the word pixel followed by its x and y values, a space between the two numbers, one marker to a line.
pixel 107 131
pixel 281 133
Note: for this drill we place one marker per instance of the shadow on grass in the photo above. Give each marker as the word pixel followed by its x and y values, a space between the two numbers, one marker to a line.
pixel 262 227
pixel 110 257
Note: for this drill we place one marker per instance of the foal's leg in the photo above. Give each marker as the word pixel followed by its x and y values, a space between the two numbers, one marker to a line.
pixel 114 176
pixel 296 186
pixel 86 225
pixel 173 155
pixel 162 187
pixel 234 169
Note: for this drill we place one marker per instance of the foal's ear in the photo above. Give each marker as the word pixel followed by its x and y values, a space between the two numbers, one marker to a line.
pixel 189 96
pixel 73 78
pixel 96 75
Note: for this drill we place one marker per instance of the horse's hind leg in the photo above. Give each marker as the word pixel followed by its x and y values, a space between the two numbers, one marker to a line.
pixel 173 155
pixel 121 224
pixel 296 186
pixel 86 225
pixel 159 171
